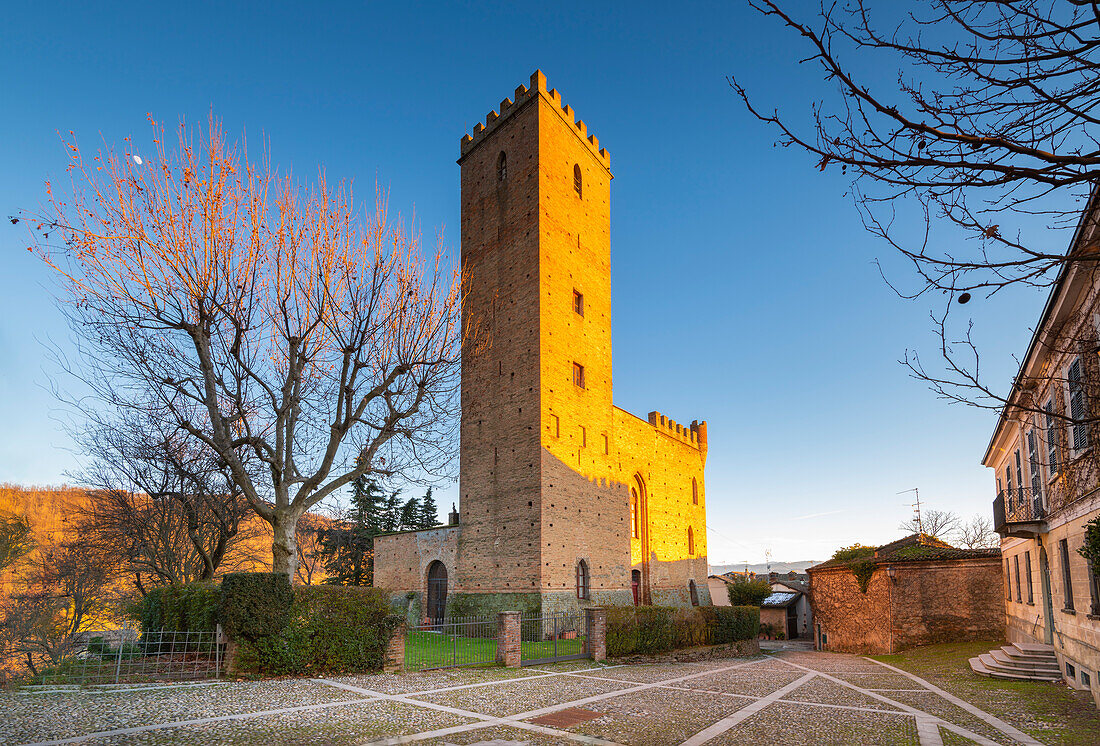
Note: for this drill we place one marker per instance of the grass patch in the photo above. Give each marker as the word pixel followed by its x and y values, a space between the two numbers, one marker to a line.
pixel 1052 713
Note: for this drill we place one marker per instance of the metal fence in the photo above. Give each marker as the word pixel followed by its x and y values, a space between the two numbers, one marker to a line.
pixel 123 656
pixel 552 637
pixel 449 643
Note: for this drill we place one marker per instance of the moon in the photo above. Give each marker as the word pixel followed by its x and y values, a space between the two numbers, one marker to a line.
pixel 137 159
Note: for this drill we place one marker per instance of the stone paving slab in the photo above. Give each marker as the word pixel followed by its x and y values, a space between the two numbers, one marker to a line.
pixel 655 716
pixel 515 697
pixel 877 681
pixel 37 717
pixel 648 673
pixel 792 725
pixel 742 681
pixel 427 680
pixel 828 692
pixel 936 705
pixel 348 724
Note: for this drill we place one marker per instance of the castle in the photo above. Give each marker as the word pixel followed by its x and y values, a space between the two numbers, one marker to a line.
pixel 566 501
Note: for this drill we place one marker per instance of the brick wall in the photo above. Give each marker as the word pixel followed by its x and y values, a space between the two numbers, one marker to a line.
pixel 546 466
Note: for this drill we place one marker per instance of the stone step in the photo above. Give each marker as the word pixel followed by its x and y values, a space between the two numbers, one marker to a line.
pixel 1006 658
pixel 993 664
pixel 1034 648
pixel 1019 654
pixel 978 667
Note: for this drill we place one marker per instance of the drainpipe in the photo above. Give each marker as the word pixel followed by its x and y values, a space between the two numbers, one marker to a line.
pixel 1048 607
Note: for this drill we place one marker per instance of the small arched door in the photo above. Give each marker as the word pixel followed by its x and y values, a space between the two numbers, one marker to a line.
pixel 437 591
pixel 636 585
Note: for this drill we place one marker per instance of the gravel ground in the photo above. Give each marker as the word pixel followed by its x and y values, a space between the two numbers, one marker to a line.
pixel 658 716
pixel 53 716
pixel 523 696
pixel 792 725
pixel 823 690
pixel 349 724
pixel 661 715
pixel 753 683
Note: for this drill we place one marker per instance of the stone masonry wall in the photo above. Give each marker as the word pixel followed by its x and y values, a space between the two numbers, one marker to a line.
pixel 926 602
pixel 947 602
pixel 853 622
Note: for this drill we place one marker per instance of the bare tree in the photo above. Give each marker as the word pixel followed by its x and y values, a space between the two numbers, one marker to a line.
pixel 257 316
pixel 991 128
pixel 67 593
pixel 977 533
pixel 939 524
pixel 310 548
pixel 165 506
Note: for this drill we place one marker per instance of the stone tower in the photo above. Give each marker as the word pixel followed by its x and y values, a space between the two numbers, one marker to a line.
pixel 566 500
pixel 536 391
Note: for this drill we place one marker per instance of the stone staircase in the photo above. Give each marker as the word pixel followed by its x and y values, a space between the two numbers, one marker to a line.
pixel 1021 661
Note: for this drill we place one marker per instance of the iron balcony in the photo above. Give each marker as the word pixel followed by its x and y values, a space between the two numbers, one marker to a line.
pixel 1019 512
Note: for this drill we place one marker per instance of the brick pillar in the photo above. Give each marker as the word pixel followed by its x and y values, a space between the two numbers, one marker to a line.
pixel 394 657
pixel 595 643
pixel 508 651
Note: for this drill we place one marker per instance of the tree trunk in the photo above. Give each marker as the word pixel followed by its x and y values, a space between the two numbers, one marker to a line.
pixel 284 545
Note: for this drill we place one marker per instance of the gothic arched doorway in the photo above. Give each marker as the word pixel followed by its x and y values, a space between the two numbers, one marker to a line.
pixel 641 529
pixel 437 591
pixel 636 585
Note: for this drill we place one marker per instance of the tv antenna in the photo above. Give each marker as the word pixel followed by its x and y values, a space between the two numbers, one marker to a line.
pixel 916 507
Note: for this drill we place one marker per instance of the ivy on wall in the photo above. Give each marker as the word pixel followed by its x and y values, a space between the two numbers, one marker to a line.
pixel 863 570
pixel 1090 550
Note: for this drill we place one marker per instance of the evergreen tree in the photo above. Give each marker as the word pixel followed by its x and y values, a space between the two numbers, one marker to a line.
pixel 410 514
pixel 347 549
pixel 391 512
pixel 428 513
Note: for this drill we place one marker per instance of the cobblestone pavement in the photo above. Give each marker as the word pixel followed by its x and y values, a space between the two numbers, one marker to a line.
pixel 788 697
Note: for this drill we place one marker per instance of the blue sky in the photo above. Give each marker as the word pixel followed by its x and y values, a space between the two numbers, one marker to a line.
pixel 744 288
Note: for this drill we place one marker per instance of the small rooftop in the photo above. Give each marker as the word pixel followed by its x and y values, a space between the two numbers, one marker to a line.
pixel 780 599
pixel 914 548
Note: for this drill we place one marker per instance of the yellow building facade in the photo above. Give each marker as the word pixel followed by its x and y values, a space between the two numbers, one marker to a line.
pixel 566 500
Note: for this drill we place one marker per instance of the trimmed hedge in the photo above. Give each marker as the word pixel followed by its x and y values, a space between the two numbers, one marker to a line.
pixel 657 629
pixel 180 608
pixel 329 629
pixel 254 605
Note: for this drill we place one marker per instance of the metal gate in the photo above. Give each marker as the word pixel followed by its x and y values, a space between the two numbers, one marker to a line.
pixel 552 637
pixel 449 643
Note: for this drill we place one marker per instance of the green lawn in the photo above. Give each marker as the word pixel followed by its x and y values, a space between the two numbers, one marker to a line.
pixel 435 650
pixel 1052 713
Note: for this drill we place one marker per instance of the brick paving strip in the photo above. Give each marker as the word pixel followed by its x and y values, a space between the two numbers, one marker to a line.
pixel 993 720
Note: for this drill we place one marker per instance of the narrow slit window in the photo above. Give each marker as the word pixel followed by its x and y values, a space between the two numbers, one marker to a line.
pixel 577 185
pixel 694 491
pixel 502 167
pixel 691 541
pixel 633 513
pixel 582 580
pixel 578 303
pixel 578 375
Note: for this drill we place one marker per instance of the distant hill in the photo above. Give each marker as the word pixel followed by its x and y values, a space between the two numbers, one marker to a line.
pixel 779 567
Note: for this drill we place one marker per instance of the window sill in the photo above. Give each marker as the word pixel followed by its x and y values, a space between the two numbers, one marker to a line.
pixel 1094 617
pixel 1071 612
pixel 1030 603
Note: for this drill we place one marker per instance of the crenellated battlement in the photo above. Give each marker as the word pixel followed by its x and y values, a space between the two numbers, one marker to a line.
pixel 695 433
pixel 523 94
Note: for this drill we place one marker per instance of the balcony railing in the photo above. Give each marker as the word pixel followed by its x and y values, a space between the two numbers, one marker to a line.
pixel 1018 509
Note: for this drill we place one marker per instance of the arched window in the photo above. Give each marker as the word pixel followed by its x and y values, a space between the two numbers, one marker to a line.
pixel 502 167
pixel 694 492
pixel 577 179
pixel 691 541
pixel 633 513
pixel 694 593
pixel 582 579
